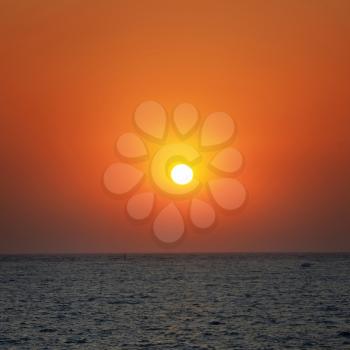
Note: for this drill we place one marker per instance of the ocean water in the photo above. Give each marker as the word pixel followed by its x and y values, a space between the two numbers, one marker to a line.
pixel 238 301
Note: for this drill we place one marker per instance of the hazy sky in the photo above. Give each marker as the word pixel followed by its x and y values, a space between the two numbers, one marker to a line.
pixel 72 73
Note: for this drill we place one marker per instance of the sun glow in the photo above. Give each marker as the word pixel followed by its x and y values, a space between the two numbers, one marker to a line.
pixel 181 174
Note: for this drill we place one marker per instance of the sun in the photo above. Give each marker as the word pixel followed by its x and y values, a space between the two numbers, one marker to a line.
pixel 181 174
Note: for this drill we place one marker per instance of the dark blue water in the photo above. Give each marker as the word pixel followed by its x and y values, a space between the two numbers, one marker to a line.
pixel 175 302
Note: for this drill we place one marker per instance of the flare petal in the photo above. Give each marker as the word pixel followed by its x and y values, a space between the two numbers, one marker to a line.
pixel 150 117
pixel 121 178
pixel 217 129
pixel 139 206
pixel 228 193
pixel 131 146
pixel 227 161
pixel 185 118
pixel 202 214
pixel 169 225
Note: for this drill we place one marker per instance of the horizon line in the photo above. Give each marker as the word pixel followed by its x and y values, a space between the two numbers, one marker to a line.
pixel 177 253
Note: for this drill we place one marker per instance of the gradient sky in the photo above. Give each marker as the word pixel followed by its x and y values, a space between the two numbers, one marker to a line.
pixel 73 71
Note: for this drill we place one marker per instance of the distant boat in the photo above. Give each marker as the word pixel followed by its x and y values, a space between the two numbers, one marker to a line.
pixel 305 265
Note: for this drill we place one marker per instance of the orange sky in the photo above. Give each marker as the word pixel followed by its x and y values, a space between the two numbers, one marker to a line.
pixel 73 71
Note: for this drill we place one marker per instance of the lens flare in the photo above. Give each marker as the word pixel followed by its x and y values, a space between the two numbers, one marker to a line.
pixel 182 167
pixel 181 174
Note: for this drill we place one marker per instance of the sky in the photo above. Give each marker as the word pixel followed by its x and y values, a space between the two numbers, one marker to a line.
pixel 72 73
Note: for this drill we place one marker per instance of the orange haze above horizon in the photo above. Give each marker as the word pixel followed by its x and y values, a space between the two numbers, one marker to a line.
pixel 72 73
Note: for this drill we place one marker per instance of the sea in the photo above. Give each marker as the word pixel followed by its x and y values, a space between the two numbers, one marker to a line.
pixel 194 301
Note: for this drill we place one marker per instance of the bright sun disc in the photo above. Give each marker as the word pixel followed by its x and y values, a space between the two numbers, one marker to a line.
pixel 181 174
